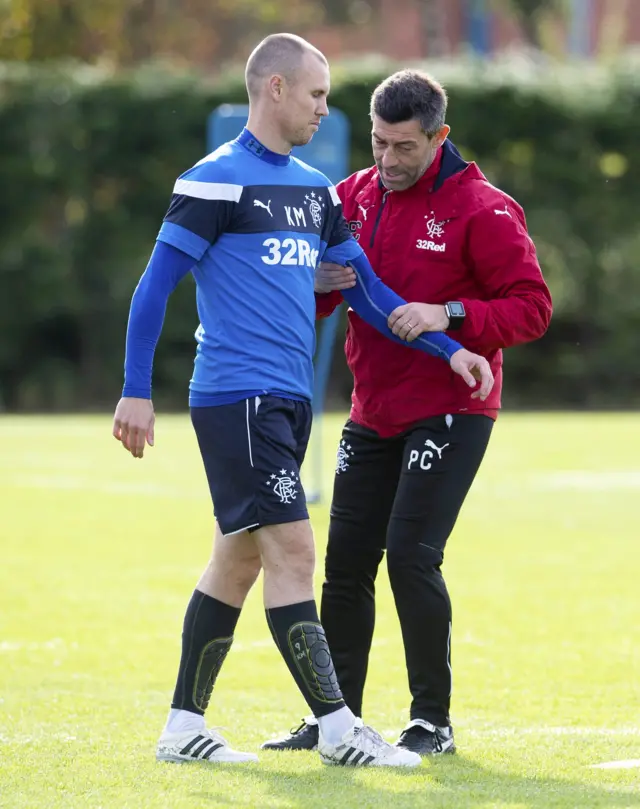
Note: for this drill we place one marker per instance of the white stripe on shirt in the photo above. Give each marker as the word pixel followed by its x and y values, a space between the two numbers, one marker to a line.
pixel 219 191
pixel 334 195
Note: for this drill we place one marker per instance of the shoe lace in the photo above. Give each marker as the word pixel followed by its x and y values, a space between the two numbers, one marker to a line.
pixel 369 740
pixel 215 732
pixel 299 729
pixel 418 732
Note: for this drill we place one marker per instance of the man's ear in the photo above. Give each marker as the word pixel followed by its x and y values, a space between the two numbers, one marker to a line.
pixel 442 135
pixel 276 86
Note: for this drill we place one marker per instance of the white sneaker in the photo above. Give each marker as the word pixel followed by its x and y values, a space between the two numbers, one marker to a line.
pixel 362 746
pixel 201 745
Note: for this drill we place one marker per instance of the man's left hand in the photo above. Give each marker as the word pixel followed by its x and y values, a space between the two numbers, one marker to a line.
pixel 412 319
pixel 330 277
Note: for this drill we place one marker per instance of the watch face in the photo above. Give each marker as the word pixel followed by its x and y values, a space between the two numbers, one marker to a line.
pixel 456 309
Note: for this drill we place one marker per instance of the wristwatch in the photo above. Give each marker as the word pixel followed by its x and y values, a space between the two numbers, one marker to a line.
pixel 456 314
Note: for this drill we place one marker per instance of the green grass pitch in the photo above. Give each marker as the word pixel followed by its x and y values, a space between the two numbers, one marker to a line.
pixel 100 554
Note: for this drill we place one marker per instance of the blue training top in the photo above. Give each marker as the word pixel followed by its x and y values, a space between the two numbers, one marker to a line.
pixel 251 226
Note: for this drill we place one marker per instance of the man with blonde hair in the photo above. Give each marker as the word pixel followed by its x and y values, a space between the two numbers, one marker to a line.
pixel 250 222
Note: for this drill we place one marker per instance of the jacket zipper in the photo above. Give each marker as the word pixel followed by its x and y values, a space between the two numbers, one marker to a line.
pixel 378 217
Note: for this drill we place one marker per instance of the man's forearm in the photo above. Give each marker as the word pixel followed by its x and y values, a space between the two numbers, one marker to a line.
pixel 166 267
pixel 374 302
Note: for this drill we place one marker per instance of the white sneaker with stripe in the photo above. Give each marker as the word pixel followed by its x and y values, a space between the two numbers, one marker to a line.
pixel 201 745
pixel 362 746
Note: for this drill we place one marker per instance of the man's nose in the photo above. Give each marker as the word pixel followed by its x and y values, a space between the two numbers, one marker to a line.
pixel 389 159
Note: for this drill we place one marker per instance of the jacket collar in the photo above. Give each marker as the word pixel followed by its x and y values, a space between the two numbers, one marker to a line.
pixel 452 163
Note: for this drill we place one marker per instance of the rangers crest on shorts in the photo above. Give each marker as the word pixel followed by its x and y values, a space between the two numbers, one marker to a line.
pixel 284 485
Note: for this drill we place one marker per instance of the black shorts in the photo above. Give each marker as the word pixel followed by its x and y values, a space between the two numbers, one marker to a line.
pixel 253 451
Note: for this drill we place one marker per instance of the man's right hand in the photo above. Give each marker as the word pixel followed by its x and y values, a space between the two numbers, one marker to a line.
pixel 331 277
pixel 133 424
pixel 473 368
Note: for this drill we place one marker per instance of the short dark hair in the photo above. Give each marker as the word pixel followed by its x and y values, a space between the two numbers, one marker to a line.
pixel 411 94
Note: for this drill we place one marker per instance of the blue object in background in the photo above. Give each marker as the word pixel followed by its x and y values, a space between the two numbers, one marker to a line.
pixel 328 152
pixel 478 26
pixel 580 19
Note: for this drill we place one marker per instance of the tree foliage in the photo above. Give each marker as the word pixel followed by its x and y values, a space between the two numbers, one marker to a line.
pixel 530 14
pixel 88 164
pixel 130 31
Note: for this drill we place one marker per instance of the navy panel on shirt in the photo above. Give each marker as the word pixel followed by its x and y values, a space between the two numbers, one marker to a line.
pixel 295 208
pixel 207 218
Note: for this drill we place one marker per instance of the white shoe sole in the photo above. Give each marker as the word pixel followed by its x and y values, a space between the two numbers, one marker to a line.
pixel 249 759
pixel 330 762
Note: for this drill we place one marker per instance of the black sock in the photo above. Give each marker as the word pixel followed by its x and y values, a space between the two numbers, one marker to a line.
pixel 207 635
pixel 300 637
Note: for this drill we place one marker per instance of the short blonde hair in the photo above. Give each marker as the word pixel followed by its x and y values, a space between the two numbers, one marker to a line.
pixel 277 54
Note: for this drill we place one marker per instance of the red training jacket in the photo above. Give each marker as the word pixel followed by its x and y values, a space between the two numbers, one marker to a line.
pixel 452 236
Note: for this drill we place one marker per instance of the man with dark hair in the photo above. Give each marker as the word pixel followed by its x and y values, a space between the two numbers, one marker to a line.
pixel 437 231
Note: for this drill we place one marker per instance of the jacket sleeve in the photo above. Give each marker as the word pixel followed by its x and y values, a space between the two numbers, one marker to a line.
pixel 517 303
pixel 327 303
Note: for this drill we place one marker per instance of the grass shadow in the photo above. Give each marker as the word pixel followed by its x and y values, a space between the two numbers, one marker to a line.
pixel 454 783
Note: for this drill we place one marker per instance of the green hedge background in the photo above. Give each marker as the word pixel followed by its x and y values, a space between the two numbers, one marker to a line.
pixel 88 161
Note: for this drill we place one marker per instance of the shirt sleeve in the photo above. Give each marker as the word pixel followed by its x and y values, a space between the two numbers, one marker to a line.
pixel 340 247
pixel 374 301
pixel 201 209
pixel 166 267
pixel 371 299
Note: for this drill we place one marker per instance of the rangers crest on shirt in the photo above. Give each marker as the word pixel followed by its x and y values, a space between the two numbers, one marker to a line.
pixel 315 204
